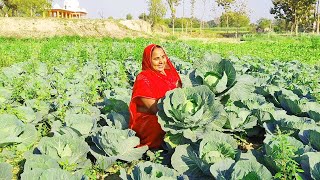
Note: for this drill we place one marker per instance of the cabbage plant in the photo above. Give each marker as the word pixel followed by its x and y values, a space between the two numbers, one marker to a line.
pixel 69 151
pixel 218 74
pixel 195 161
pixel 14 131
pixel 111 144
pixel 310 163
pixel 188 113
pixel 5 171
pixel 250 169
pixel 45 167
pixel 311 136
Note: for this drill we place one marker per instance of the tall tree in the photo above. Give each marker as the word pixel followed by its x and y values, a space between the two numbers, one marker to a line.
pixel 27 8
pixel 293 11
pixel 129 17
pixel 11 6
pixel 144 17
pixel 264 24
pixel 226 4
pixel 173 5
pixel 2 6
pixel 317 16
pixel 193 3
pixel 236 19
pixel 204 10
pixel 157 10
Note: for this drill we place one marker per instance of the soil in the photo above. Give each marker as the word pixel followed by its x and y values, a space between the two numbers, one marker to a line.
pixel 50 27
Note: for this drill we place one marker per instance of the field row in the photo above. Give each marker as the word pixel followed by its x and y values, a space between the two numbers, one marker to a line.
pixel 269 48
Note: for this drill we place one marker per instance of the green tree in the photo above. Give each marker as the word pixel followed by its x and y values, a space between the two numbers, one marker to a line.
pixel 264 23
pixel 27 8
pixel 280 25
pixel 235 19
pixel 2 7
pixel 193 4
pixel 144 17
pixel 293 11
pixel 179 22
pixel 10 6
pixel 173 5
pixel 226 4
pixel 157 10
pixel 129 17
pixel 212 23
pixel 317 16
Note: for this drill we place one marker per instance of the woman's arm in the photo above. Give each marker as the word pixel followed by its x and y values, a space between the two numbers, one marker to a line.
pixel 179 84
pixel 148 105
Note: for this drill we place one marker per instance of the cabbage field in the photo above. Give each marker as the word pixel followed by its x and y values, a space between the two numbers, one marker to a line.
pixel 64 112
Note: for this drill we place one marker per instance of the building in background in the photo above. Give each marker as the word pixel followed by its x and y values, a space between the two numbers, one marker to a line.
pixel 70 9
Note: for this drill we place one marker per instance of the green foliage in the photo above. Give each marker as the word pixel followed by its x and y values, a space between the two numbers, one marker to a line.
pixel 295 12
pixel 144 17
pixel 181 22
pixel 284 154
pixel 157 10
pixel 225 3
pixel 264 23
pixel 235 19
pixel 129 17
pixel 59 49
pixel 155 156
pixel 280 25
pixel 172 6
pixel 30 8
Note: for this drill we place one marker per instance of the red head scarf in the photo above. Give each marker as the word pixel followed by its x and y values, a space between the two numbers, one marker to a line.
pixel 150 84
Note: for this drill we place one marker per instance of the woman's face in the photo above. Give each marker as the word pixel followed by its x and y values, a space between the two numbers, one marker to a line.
pixel 158 60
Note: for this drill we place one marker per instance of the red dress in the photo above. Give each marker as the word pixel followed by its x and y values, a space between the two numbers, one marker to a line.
pixel 153 85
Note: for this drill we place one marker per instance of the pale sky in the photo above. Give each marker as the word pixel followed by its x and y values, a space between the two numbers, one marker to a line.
pixel 120 8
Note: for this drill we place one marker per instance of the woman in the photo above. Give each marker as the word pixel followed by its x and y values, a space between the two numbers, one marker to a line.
pixel 157 77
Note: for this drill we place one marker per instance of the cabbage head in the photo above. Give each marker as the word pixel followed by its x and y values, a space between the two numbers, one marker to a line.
pixel 190 112
pixel 217 73
pixel 217 146
pixel 211 80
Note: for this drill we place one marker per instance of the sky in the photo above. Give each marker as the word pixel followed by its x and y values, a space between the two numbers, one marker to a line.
pixel 206 11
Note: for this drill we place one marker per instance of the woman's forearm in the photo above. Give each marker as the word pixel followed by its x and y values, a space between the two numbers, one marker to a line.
pixel 148 106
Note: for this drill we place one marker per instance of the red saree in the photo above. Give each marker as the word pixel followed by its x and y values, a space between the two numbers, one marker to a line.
pixel 150 84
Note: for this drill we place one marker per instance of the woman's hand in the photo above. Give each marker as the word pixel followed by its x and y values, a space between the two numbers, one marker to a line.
pixel 147 105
